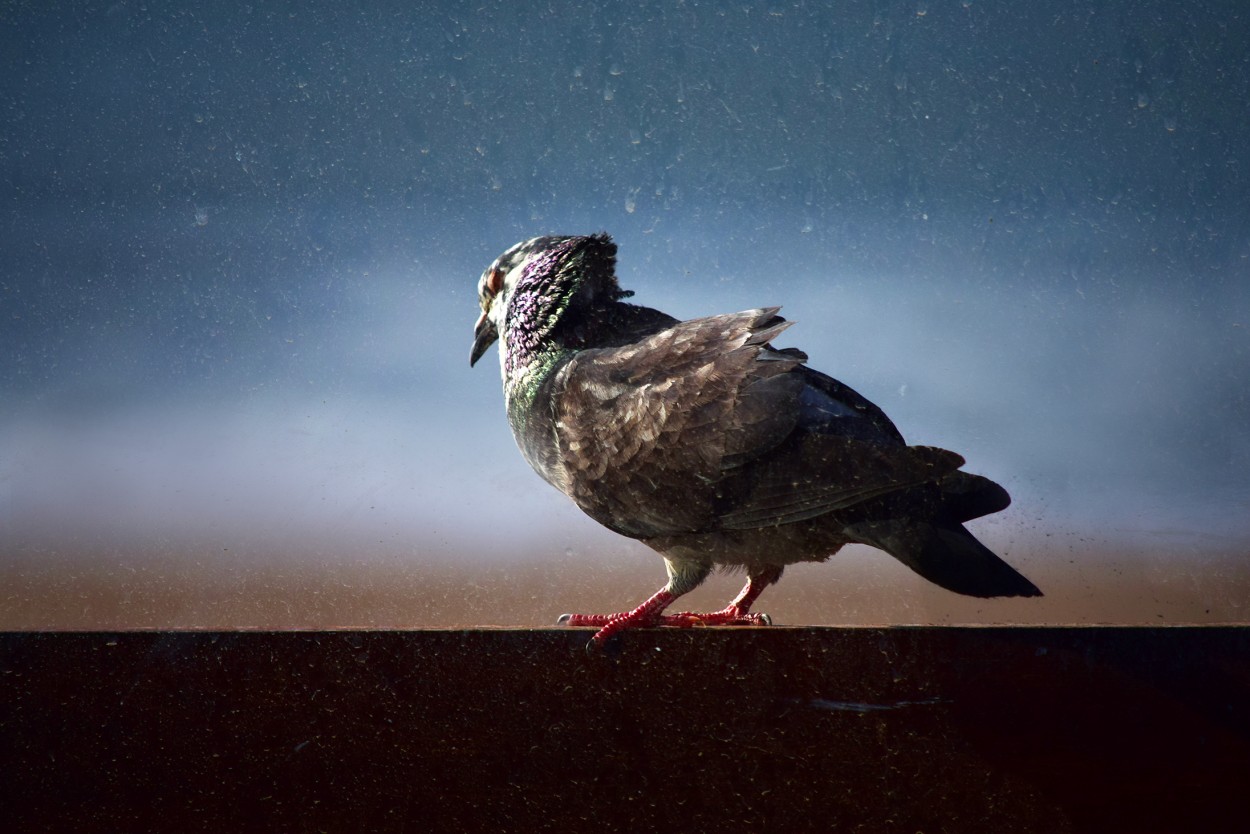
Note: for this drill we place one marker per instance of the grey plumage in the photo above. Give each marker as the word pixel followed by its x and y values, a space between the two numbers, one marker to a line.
pixel 711 446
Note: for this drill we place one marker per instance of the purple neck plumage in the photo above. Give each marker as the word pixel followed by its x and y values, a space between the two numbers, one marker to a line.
pixel 575 271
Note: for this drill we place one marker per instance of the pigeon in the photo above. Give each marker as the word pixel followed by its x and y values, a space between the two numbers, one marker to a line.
pixel 706 443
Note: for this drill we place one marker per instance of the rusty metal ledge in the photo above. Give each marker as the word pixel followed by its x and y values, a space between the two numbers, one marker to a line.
pixel 791 729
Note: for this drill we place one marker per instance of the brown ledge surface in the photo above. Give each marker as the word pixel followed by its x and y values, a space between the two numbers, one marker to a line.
pixel 787 729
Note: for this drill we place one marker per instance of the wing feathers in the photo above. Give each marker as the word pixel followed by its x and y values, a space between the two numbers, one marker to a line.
pixel 647 430
pixel 821 474
pixel 698 427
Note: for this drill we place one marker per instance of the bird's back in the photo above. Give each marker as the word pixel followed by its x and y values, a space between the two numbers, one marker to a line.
pixel 701 425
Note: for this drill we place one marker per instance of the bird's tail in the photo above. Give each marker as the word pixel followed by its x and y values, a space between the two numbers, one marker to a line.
pixel 965 496
pixel 945 553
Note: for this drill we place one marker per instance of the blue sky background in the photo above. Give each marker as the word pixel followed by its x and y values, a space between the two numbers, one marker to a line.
pixel 239 247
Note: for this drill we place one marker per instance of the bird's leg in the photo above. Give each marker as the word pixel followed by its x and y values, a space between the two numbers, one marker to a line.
pixel 737 612
pixel 682 578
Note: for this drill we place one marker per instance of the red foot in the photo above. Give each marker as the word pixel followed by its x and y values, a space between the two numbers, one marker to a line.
pixel 610 624
pixel 644 615
pixel 649 613
pixel 730 615
pixel 587 619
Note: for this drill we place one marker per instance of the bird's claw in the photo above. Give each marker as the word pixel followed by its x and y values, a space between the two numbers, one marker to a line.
pixel 684 619
pixel 610 625
pixel 726 617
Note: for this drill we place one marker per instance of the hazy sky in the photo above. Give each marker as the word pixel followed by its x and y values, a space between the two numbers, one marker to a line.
pixel 239 250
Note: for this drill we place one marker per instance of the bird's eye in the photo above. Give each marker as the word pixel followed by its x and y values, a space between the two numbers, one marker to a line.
pixel 494 281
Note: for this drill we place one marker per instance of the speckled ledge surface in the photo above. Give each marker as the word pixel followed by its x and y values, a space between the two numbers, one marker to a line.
pixel 788 729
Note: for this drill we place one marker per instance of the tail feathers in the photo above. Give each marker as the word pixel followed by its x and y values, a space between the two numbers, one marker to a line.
pixel 946 554
pixel 966 496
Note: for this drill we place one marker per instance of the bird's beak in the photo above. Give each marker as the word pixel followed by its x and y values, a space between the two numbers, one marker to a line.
pixel 484 335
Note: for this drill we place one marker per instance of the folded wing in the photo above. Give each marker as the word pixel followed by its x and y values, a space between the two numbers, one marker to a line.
pixel 704 426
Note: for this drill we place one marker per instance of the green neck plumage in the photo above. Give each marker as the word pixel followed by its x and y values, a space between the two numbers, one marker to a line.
pixel 521 385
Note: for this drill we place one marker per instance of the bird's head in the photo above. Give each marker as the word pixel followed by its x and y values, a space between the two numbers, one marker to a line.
pixel 527 292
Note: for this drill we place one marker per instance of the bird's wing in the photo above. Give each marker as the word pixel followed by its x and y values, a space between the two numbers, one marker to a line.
pixel 844 451
pixel 831 407
pixel 814 474
pixel 703 426
pixel 646 431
